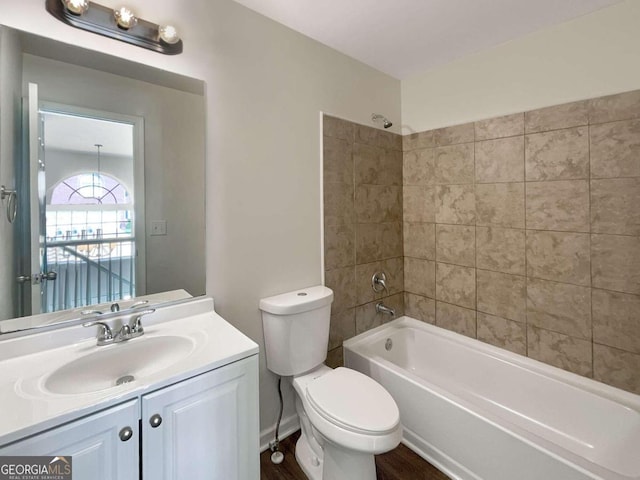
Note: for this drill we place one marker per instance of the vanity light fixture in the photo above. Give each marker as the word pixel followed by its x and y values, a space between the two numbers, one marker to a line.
pixel 120 24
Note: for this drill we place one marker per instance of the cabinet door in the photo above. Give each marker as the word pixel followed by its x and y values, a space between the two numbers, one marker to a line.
pixel 93 442
pixel 205 427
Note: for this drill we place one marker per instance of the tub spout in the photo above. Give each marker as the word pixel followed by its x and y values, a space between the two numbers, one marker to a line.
pixel 381 308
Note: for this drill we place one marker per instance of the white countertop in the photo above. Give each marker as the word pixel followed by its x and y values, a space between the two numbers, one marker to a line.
pixel 26 362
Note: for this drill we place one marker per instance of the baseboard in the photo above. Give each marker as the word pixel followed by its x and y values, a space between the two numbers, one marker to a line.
pixel 288 426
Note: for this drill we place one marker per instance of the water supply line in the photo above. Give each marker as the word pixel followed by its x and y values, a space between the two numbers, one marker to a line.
pixel 277 456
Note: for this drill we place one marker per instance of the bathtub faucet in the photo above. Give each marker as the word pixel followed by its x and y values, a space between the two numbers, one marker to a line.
pixel 381 308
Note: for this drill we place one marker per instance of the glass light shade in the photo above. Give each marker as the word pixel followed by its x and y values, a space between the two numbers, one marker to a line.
pixel 168 34
pixel 77 7
pixel 125 18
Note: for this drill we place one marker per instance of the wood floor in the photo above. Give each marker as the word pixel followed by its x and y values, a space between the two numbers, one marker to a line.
pixel 398 464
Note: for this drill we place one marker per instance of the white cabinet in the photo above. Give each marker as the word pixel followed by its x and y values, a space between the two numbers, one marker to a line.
pixel 93 442
pixel 204 427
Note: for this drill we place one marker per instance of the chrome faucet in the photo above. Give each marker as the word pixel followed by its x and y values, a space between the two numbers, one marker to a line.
pixel 127 331
pixel 382 308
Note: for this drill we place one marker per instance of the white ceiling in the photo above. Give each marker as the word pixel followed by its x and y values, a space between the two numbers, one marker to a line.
pixel 405 37
pixel 81 134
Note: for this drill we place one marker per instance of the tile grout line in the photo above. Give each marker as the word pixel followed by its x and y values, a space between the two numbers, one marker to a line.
pixel 355 222
pixel 475 224
pixel 530 277
pixel 526 259
pixel 590 255
pixel 435 238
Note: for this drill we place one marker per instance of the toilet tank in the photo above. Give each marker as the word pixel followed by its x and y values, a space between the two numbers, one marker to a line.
pixel 296 329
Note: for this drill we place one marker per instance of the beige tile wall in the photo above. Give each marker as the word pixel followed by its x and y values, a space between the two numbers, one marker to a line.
pixel 524 231
pixel 363 226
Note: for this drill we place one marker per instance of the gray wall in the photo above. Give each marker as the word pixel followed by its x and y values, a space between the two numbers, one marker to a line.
pixel 10 91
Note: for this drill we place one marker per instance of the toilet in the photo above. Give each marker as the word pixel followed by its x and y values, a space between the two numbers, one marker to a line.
pixel 346 417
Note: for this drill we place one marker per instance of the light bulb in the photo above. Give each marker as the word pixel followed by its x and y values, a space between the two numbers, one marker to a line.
pixel 125 18
pixel 168 34
pixel 77 7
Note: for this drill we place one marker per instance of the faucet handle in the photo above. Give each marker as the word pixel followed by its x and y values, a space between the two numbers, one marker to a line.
pixel 379 282
pixel 136 324
pixel 105 333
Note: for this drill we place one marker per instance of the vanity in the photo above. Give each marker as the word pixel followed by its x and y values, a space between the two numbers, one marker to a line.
pixel 177 402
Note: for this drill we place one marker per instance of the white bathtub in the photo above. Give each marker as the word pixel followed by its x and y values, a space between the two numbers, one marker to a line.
pixel 479 412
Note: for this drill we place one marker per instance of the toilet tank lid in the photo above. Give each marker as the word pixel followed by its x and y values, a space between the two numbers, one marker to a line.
pixel 298 301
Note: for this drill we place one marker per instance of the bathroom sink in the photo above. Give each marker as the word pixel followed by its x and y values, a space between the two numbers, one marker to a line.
pixel 113 365
pixel 51 377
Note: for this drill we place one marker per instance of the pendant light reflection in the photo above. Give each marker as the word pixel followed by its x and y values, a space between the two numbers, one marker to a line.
pixel 77 7
pixel 125 18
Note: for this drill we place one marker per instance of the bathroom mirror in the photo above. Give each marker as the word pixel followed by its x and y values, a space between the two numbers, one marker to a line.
pixel 111 202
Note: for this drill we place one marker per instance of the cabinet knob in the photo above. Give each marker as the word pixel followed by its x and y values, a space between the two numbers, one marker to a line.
pixel 155 421
pixel 125 434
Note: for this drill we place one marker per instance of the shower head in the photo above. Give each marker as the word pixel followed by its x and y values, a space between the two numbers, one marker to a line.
pixel 377 117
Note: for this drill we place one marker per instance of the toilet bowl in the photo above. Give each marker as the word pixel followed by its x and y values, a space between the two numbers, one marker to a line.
pixel 346 417
pixel 350 416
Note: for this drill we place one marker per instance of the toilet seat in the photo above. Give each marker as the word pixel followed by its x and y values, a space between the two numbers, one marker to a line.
pixel 353 401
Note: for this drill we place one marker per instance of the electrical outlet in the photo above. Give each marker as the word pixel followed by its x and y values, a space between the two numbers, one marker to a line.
pixel 159 227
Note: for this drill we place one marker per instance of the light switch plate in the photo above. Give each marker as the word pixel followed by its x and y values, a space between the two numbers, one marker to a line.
pixel 159 227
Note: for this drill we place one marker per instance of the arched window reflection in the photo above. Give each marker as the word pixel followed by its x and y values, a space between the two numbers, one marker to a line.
pixel 89 205
pixel 89 189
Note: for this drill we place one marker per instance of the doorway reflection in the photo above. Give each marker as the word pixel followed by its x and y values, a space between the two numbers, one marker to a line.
pixel 90 240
